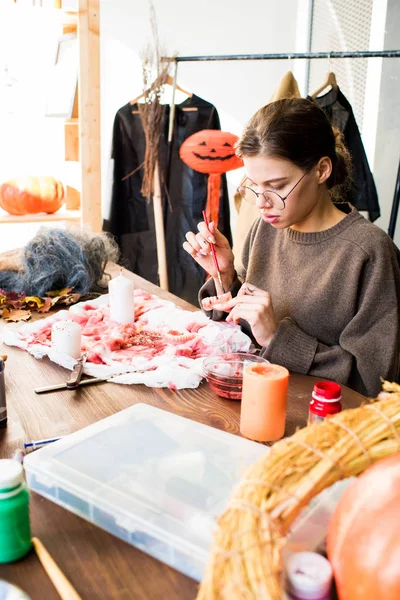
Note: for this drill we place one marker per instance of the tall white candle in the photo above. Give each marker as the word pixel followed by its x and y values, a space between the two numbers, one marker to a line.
pixel 66 338
pixel 122 309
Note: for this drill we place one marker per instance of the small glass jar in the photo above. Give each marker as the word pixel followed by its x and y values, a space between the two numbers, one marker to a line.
pixel 325 401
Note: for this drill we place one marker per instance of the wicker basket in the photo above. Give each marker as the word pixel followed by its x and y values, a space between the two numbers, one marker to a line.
pixel 246 557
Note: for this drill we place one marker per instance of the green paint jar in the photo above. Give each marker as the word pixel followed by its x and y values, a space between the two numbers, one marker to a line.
pixel 15 532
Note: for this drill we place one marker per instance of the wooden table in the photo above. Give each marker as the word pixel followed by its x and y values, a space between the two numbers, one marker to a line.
pixel 100 566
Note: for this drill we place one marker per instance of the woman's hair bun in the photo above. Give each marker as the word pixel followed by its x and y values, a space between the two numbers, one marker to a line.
pixel 341 173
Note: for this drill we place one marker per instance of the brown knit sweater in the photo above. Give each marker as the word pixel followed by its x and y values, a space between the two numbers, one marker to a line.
pixel 336 295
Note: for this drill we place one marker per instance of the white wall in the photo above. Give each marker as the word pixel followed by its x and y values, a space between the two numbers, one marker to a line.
pixel 30 143
pixel 28 46
pixel 387 148
pixel 190 27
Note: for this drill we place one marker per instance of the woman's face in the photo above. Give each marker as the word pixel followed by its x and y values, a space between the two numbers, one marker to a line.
pixel 303 189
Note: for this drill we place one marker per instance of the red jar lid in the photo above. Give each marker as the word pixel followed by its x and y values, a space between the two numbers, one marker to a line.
pixel 327 391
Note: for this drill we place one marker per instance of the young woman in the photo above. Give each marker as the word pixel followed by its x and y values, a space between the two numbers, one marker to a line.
pixel 320 285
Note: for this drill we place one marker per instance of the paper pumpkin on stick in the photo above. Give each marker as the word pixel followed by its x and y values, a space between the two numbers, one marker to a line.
pixel 211 151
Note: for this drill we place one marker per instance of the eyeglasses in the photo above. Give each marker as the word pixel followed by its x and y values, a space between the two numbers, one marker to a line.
pixel 274 199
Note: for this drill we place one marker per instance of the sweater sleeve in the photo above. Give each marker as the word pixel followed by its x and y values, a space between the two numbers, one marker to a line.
pixel 368 346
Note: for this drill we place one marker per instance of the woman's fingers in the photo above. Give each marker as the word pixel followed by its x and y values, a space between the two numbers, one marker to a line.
pixel 205 232
pixel 259 315
pixel 204 245
pixel 194 242
pixel 189 249
pixel 191 238
pixel 249 301
pixel 248 289
pixel 242 311
pixel 219 237
pixel 198 246
pixel 212 235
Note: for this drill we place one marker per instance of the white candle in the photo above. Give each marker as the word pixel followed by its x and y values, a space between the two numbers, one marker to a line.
pixel 66 338
pixel 122 309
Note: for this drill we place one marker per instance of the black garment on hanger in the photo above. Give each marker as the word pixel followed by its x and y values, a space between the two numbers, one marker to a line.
pixel 363 193
pixel 131 218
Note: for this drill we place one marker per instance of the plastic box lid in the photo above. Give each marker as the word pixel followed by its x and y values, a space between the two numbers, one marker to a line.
pixel 154 479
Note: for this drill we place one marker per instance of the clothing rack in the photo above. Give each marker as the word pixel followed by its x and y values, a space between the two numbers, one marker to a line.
pixel 291 56
pixel 302 55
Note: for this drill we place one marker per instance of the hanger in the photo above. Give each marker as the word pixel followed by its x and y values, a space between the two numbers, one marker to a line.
pixel 169 81
pixel 287 88
pixel 329 81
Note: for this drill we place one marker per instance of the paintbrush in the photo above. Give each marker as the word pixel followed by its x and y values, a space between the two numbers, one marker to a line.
pixel 57 577
pixel 215 259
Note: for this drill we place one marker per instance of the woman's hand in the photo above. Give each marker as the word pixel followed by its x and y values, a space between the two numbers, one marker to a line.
pixel 254 306
pixel 198 246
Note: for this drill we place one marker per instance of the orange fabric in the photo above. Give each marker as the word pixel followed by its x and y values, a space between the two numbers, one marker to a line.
pixel 213 196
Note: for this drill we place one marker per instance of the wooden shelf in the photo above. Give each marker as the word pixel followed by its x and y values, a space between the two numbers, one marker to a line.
pixel 82 136
pixel 69 22
pixel 71 139
pixel 61 215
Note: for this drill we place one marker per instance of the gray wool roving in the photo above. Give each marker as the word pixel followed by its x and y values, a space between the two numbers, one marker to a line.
pixel 55 259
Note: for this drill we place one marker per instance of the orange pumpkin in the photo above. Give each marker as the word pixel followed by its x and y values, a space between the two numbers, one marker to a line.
pixel 364 535
pixel 211 151
pixel 30 195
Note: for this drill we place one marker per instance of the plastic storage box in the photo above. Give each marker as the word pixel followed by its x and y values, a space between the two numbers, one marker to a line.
pixel 154 479
pixel 308 532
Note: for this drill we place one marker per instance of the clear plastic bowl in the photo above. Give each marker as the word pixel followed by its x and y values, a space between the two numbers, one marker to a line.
pixel 225 373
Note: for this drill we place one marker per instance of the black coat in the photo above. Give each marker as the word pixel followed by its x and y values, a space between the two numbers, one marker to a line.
pixel 363 193
pixel 131 218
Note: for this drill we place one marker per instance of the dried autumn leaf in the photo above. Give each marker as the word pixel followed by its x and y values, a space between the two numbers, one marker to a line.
pixel 46 306
pixel 34 301
pixel 66 299
pixel 57 293
pixel 69 299
pixel 12 296
pixel 16 314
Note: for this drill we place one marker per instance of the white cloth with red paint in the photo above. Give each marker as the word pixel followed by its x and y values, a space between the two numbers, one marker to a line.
pixel 165 347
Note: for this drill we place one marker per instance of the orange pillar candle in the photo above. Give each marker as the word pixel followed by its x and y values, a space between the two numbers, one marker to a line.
pixel 264 395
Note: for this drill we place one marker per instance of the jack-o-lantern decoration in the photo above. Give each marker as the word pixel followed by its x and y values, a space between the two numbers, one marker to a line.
pixel 211 151
pixel 30 195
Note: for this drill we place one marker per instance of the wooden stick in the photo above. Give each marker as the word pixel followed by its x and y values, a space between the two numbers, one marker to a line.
pixel 172 108
pixel 60 582
pixel 160 234
pixel 171 127
pixel 215 259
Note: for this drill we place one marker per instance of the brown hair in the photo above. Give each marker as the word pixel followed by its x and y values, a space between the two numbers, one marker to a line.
pixel 297 130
